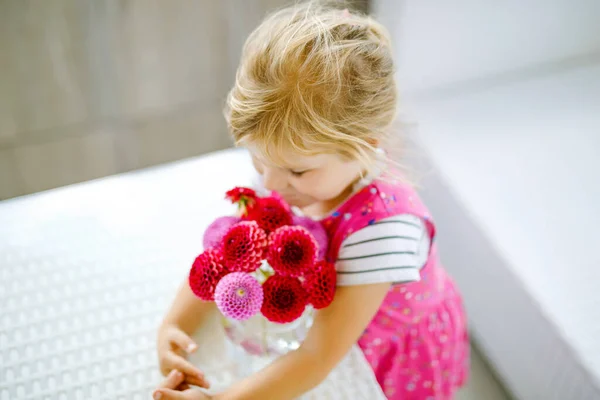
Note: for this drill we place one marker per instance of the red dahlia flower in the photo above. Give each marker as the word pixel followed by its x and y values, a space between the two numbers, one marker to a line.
pixel 292 250
pixel 239 193
pixel 320 284
pixel 284 299
pixel 244 247
pixel 318 231
pixel 207 270
pixel 244 197
pixel 213 235
pixel 270 213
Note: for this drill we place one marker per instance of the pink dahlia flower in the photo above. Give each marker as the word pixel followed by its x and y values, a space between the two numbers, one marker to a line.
pixel 239 296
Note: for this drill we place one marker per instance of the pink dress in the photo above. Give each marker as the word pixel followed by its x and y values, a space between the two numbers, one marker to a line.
pixel 417 343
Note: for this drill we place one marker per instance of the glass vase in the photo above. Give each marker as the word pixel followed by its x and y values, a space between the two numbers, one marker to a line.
pixel 261 337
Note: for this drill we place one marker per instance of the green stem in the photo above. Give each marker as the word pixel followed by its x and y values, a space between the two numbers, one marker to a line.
pixel 263 273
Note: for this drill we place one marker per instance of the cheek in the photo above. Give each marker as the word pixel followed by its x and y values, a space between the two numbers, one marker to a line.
pixel 257 166
pixel 321 187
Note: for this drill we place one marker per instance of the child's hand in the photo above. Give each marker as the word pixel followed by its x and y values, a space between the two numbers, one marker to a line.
pixel 174 388
pixel 173 344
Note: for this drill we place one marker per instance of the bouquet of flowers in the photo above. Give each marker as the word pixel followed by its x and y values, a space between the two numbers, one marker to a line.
pixel 265 262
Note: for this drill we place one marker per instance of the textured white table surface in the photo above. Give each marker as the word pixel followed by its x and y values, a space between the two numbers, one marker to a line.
pixel 87 272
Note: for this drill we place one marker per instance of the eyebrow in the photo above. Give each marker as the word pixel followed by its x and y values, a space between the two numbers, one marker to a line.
pixel 297 168
pixel 300 168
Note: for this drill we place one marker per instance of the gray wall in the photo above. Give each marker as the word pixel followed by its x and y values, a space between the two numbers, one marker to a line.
pixel 90 88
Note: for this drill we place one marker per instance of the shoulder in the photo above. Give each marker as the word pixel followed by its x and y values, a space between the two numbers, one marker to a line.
pixel 376 202
pixel 392 249
pixel 405 225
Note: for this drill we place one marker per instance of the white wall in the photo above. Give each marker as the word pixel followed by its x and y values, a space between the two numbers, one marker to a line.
pixel 444 44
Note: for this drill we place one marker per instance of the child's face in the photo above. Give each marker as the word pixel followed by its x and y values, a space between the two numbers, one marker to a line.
pixel 306 180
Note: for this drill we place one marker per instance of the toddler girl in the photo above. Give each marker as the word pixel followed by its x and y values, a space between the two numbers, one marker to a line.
pixel 313 102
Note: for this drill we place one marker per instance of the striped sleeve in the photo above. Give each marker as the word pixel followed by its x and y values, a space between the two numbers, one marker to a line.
pixel 391 250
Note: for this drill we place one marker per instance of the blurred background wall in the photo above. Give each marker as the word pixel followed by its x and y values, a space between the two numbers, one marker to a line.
pixel 90 88
pixel 445 48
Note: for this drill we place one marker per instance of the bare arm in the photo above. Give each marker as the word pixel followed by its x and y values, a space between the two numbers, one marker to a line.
pixel 187 311
pixel 173 342
pixel 335 329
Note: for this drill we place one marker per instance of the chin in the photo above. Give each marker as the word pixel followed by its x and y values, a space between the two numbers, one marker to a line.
pixel 299 202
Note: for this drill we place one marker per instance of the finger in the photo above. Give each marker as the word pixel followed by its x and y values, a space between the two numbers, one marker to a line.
pixel 175 361
pixel 193 374
pixel 191 380
pixel 183 341
pixel 174 379
pixel 168 394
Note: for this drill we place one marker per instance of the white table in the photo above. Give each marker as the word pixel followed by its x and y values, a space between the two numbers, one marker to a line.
pixel 87 272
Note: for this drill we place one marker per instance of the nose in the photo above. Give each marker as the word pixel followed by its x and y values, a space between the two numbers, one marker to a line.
pixel 274 179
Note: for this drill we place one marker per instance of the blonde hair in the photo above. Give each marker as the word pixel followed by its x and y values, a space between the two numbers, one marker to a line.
pixel 314 78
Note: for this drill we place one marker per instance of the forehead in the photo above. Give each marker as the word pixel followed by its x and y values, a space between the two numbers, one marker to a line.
pixel 287 158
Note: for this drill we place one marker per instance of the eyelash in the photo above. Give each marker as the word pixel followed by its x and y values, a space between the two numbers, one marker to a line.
pixel 298 174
